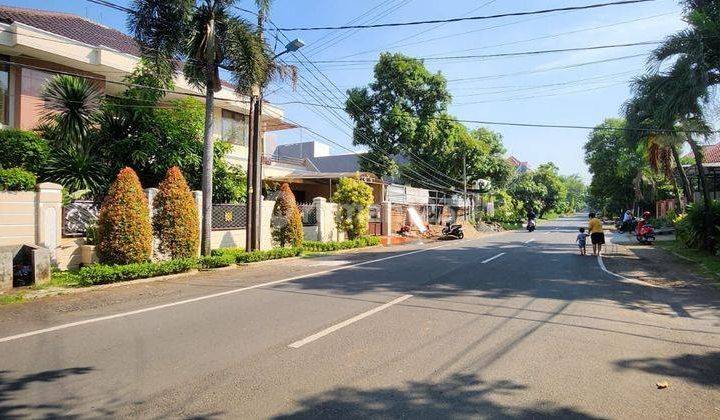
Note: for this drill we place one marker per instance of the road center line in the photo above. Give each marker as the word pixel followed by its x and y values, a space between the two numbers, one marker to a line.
pixel 492 258
pixel 347 322
pixel 206 297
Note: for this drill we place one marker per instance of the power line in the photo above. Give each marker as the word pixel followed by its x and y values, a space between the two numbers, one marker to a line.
pixel 467 18
pixel 510 54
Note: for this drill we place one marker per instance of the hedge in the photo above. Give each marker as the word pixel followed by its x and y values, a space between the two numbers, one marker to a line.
pixel 216 261
pixel 17 179
pixel 224 257
pixel 360 242
pixel 102 274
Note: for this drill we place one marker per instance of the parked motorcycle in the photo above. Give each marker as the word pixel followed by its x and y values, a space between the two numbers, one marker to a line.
pixel 628 226
pixel 531 225
pixel 644 232
pixel 454 231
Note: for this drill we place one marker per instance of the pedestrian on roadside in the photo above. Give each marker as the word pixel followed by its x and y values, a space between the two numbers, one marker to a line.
pixel 597 237
pixel 581 241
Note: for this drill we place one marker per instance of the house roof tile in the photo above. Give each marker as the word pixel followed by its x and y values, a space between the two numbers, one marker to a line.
pixel 71 26
pixel 711 153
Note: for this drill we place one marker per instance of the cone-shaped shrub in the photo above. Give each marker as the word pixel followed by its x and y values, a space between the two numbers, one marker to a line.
pixel 124 230
pixel 175 221
pixel 287 221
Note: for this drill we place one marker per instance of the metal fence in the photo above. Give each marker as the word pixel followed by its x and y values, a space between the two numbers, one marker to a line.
pixel 77 216
pixel 309 214
pixel 229 216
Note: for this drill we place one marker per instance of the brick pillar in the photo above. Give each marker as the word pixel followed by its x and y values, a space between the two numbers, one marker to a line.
pixel 48 207
pixel 386 217
pixel 322 228
pixel 197 196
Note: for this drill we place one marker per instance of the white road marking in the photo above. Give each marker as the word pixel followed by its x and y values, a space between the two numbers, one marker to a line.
pixel 492 258
pixel 206 297
pixel 529 240
pixel 347 322
pixel 623 278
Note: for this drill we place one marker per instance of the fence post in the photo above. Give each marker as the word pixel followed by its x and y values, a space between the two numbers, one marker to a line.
pixel 48 228
pixel 197 196
pixel 322 228
pixel 386 217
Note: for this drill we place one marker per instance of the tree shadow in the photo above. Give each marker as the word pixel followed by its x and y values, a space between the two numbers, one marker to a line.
pixel 461 395
pixel 12 391
pixel 701 369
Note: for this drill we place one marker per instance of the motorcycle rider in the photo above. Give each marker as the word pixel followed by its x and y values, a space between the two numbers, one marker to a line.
pixel 627 222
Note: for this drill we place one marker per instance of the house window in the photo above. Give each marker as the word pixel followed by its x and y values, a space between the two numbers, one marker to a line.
pixel 5 96
pixel 234 127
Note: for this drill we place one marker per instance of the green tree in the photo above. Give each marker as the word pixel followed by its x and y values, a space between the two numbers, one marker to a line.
pixel 354 198
pixel 205 37
pixel 287 226
pixel 555 190
pixel 576 192
pixel 402 117
pixel 614 165
pixel 525 190
pixel 175 217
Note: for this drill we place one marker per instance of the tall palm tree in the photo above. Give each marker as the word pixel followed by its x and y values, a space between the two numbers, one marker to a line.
pixel 662 144
pixel 202 36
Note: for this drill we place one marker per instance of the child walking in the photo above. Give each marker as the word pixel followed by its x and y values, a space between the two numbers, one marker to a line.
pixel 581 240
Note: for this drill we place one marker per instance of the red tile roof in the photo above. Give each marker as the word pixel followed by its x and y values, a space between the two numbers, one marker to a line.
pixel 71 26
pixel 711 153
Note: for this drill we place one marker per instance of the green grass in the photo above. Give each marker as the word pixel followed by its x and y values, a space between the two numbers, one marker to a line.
pixel 706 263
pixel 12 298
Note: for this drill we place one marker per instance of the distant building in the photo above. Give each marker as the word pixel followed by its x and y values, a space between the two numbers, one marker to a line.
pixel 520 167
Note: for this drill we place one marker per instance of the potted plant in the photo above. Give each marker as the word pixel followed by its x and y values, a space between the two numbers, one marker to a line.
pixel 88 255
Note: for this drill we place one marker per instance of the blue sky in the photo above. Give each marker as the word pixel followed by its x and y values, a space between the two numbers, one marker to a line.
pixel 543 92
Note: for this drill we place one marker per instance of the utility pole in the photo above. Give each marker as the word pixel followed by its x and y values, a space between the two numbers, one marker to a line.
pixel 465 204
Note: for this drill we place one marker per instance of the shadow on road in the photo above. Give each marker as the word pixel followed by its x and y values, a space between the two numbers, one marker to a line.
pixel 461 395
pixel 12 389
pixel 700 369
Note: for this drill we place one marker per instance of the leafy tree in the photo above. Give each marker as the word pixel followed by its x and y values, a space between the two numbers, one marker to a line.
pixel 287 220
pixel 124 228
pixel 527 191
pixel 555 190
pixel 229 181
pixel 204 37
pixel 354 198
pixel 576 192
pixel 614 166
pixel 402 117
pixel 24 149
pixel 175 220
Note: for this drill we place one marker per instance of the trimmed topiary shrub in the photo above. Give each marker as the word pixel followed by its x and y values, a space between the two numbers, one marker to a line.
pixel 124 229
pixel 354 198
pixel 17 179
pixel 24 149
pixel 287 226
pixel 175 221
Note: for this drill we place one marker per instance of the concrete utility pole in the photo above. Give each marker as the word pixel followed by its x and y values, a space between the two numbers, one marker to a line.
pixel 255 153
pixel 465 189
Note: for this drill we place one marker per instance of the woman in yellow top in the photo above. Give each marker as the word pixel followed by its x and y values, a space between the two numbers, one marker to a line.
pixel 597 237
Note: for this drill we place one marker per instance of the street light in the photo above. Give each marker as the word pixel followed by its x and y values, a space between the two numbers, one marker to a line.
pixel 254 181
pixel 291 46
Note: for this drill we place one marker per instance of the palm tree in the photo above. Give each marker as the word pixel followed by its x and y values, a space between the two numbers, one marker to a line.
pixel 70 106
pixel 662 145
pixel 204 36
pixel 70 114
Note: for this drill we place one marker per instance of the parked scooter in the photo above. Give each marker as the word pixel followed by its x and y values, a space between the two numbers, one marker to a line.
pixel 628 226
pixel 453 231
pixel 530 225
pixel 644 232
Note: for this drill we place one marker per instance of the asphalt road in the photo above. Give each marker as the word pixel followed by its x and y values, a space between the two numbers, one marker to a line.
pixel 510 325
